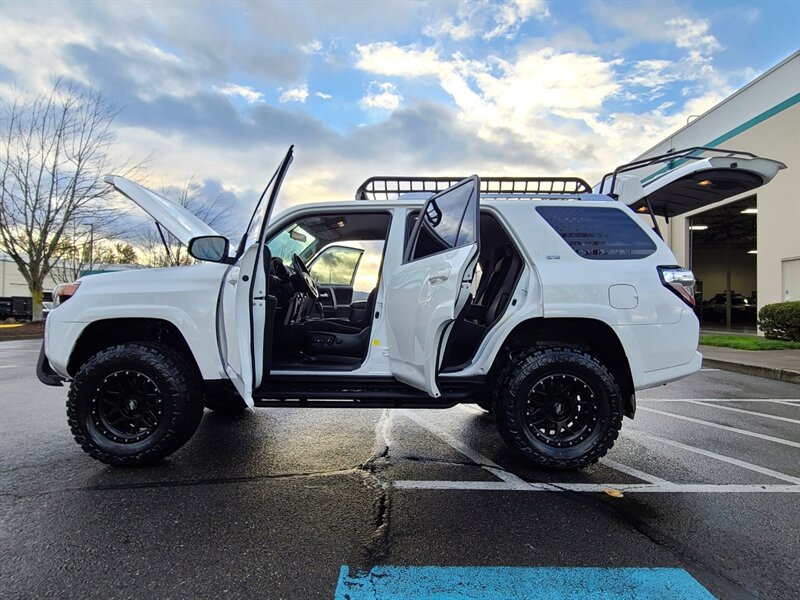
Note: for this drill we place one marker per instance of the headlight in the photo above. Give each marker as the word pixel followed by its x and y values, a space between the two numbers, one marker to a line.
pixel 63 292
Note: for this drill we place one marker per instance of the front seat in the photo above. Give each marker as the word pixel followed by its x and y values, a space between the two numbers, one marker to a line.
pixel 338 337
pixel 360 317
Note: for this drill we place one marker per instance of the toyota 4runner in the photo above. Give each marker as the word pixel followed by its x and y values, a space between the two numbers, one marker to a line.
pixel 545 302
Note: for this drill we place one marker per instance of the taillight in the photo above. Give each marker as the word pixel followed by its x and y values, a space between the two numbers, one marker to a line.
pixel 681 281
pixel 63 292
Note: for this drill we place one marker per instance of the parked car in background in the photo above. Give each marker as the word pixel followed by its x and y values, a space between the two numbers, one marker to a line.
pixel 743 310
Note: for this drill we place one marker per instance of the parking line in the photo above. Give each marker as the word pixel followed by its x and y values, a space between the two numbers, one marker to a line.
pixel 510 482
pixel 721 457
pixel 760 436
pixel 9 366
pixel 632 471
pixel 746 412
pixel 781 401
pixel 787 402
pixel 489 465
pixel 650 488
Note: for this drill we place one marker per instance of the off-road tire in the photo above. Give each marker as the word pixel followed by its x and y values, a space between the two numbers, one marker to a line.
pixel 540 366
pixel 226 402
pixel 178 394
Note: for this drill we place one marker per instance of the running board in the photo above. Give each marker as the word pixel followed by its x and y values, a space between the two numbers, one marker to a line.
pixel 363 393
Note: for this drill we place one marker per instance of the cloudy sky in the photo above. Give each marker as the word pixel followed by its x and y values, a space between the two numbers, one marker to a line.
pixel 220 89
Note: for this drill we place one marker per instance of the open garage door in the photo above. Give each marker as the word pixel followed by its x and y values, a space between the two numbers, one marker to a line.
pixel 723 243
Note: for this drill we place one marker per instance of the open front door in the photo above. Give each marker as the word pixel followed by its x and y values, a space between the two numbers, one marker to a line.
pixel 242 321
pixel 427 292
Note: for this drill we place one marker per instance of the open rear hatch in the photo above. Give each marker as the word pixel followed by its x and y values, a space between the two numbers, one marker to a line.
pixel 688 180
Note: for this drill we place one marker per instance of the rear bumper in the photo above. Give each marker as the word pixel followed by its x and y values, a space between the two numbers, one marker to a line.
pixel 45 372
pixel 650 379
pixel 660 353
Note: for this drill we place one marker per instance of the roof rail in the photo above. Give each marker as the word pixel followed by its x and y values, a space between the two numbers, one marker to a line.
pixel 386 188
pixel 672 159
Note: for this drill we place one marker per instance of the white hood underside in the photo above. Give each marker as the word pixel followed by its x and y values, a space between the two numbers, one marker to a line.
pixel 175 219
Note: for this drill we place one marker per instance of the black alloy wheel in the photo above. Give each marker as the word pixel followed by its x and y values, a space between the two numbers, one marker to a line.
pixel 561 410
pixel 128 406
pixel 559 407
pixel 135 403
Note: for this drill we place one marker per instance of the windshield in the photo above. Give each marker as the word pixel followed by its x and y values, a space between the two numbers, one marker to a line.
pixel 292 240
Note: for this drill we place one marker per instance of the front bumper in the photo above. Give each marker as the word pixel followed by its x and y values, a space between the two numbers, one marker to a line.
pixel 45 372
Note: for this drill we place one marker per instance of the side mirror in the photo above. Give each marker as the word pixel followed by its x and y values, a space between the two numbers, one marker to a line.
pixel 213 248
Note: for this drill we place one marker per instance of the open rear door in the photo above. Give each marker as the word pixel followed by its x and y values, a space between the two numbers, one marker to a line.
pixel 244 298
pixel 427 292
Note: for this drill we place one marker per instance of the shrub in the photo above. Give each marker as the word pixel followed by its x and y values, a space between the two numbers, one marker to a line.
pixel 780 321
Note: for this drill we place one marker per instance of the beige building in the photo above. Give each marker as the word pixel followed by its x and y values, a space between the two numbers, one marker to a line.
pixel 12 283
pixel 751 240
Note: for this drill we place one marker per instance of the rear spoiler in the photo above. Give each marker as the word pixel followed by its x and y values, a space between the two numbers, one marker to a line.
pixel 387 188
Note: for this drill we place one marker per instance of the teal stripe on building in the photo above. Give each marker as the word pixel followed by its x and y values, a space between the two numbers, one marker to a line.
pixel 749 124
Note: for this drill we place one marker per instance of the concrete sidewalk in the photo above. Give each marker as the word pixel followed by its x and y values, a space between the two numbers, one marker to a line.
pixel 783 365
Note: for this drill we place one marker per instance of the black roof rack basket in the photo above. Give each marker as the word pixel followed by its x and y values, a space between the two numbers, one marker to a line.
pixel 387 188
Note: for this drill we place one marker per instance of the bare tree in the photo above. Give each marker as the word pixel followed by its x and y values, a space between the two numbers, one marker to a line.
pixel 85 252
pixel 167 251
pixel 54 150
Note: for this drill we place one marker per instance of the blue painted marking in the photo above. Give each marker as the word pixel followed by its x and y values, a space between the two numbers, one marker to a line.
pixel 517 583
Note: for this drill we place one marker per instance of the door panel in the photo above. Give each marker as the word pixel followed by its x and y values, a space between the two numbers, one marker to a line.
pixel 242 314
pixel 425 294
pixel 244 341
pixel 423 299
pixel 335 300
pixel 334 270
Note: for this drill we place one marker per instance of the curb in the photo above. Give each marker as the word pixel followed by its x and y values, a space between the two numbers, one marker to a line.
pixel 767 372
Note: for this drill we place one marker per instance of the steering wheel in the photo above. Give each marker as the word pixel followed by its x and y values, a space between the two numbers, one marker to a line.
pixel 304 278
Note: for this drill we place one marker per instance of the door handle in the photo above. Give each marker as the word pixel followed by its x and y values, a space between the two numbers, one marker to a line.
pixel 440 275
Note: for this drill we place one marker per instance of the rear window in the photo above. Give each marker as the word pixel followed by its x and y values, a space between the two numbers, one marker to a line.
pixel 598 233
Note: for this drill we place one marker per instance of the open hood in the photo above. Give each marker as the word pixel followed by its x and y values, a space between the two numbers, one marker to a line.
pixel 695 183
pixel 172 217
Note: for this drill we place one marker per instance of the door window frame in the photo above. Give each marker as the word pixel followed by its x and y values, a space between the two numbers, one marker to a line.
pixel 411 243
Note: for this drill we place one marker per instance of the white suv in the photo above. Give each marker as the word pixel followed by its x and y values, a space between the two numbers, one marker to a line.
pixel 542 301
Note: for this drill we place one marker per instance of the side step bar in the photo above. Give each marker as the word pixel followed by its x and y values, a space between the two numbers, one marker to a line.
pixel 365 393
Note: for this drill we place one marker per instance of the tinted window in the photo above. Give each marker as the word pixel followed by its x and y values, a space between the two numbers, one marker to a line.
pixel 336 265
pixel 466 233
pixel 599 233
pixel 443 222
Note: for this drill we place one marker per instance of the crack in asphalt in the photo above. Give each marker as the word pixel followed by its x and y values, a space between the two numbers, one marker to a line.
pixel 376 547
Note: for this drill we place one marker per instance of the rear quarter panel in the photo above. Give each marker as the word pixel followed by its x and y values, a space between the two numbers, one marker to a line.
pixel 658 333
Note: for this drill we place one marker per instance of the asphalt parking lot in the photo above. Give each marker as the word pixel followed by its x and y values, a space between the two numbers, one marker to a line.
pixel 291 503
